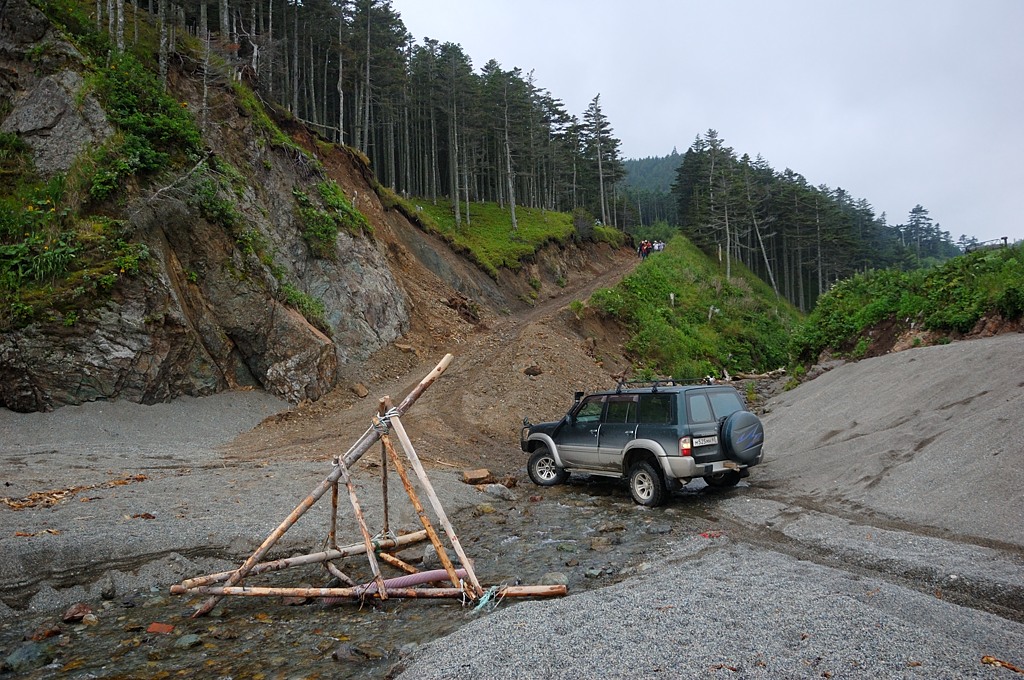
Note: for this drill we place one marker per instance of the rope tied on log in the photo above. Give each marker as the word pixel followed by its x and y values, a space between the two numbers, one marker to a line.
pixel 490 594
pixel 382 424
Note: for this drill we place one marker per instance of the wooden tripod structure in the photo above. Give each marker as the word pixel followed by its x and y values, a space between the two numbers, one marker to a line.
pixel 464 583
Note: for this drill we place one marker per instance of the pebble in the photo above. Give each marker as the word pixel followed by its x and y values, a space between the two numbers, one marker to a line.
pixel 188 641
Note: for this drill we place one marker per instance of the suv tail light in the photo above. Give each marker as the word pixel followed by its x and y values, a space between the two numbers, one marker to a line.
pixel 685 446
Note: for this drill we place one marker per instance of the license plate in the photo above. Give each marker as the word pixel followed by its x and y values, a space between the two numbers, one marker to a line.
pixel 705 441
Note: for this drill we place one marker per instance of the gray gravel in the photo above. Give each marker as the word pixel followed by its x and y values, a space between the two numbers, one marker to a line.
pixel 193 513
pixel 875 543
pixel 731 608
pixel 884 537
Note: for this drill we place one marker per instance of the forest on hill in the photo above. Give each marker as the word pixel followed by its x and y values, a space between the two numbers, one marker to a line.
pixel 434 126
pixel 799 238
pixel 430 123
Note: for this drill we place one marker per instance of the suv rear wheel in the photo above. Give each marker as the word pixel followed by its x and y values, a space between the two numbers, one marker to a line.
pixel 543 469
pixel 646 485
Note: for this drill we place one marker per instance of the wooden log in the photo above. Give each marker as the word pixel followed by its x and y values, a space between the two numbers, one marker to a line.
pixel 332 533
pixel 435 502
pixel 420 512
pixel 339 574
pixel 313 558
pixel 361 446
pixel 367 539
pixel 397 563
pixel 260 591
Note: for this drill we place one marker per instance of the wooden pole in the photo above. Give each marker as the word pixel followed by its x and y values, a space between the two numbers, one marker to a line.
pixel 424 520
pixel 397 563
pixel 332 535
pixel 313 558
pixel 351 456
pixel 358 511
pixel 435 503
pixel 385 529
pixel 359 591
pixel 338 574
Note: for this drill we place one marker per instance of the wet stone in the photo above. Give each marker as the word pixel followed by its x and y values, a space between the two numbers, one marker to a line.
pixel 188 641
pixel 27 657
pixel 501 491
pixel 554 578
pixel 76 612
pixel 108 591
pixel 658 529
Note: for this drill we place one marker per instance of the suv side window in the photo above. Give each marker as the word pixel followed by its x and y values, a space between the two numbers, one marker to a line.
pixel 725 402
pixel 699 408
pixel 621 409
pixel 590 410
pixel 656 409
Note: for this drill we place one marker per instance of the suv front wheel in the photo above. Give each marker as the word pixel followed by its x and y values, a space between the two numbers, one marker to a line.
pixel 646 485
pixel 543 469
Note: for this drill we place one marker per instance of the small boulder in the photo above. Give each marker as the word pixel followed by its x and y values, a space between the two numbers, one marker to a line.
pixel 554 578
pixel 76 612
pixel 359 389
pixel 501 491
pixel 481 476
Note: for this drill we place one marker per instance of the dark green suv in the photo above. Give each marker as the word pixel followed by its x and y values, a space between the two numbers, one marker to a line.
pixel 659 436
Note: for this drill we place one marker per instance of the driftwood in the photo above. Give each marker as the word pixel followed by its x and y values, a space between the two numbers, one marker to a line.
pixel 427 526
pixel 777 373
pixel 351 456
pixel 359 591
pixel 463 579
pixel 313 558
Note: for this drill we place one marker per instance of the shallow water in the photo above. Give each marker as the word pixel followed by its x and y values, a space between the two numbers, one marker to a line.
pixel 589 532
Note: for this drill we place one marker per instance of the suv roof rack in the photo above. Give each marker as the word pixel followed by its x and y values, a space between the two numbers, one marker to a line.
pixel 655 384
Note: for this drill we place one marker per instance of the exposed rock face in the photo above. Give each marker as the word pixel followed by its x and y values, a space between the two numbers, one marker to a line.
pixel 205 314
pixel 51 111
pixel 50 121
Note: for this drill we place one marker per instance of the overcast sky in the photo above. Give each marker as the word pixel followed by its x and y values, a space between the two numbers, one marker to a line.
pixel 899 102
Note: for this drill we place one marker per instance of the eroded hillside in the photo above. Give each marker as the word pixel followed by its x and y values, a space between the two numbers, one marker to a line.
pixel 253 265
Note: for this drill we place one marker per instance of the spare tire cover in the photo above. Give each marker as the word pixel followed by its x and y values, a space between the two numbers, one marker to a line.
pixel 743 437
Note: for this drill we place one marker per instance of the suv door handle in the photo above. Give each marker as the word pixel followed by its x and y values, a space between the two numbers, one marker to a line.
pixel 593 432
pixel 628 432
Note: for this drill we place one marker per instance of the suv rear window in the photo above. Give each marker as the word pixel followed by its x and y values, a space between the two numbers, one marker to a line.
pixel 722 403
pixel 656 409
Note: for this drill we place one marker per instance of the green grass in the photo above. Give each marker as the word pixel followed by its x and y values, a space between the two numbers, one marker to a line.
pixel 488 239
pixel 951 297
pixel 687 321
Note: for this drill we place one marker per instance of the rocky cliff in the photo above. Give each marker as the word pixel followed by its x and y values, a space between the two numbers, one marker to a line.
pixel 232 290
pixel 209 310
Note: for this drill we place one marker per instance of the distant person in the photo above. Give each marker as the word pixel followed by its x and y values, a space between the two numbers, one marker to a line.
pixel 645 249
